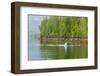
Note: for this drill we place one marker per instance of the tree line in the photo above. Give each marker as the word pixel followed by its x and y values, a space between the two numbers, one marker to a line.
pixel 65 26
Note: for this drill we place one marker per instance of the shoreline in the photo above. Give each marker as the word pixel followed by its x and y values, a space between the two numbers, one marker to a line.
pixel 61 40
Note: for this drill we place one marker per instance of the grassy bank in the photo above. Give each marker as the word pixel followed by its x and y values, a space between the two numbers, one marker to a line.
pixel 73 40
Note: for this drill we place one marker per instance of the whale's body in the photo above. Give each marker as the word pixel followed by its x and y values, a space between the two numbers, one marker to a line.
pixel 65 45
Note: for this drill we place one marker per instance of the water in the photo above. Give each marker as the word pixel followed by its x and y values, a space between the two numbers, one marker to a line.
pixel 38 51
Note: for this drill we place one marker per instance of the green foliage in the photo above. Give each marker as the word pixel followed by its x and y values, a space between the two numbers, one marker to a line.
pixel 66 26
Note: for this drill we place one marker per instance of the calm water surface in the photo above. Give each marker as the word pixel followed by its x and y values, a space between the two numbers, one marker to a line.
pixel 39 51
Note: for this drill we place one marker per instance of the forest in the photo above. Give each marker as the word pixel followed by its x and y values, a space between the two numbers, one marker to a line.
pixel 64 26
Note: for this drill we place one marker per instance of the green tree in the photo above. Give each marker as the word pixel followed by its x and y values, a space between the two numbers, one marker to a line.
pixel 67 26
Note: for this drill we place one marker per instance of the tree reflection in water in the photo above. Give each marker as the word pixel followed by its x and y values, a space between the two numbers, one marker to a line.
pixel 59 52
